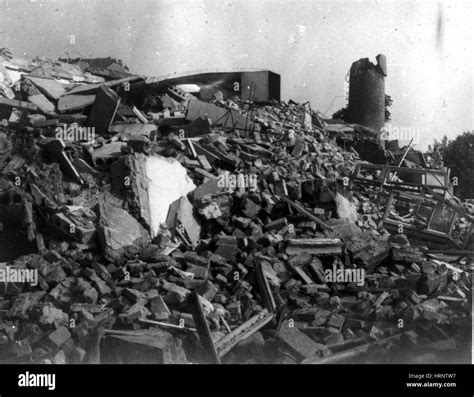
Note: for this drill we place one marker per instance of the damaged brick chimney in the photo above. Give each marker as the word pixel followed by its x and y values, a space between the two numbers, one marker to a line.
pixel 367 92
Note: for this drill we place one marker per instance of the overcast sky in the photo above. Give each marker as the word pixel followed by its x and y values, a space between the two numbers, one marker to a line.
pixel 428 44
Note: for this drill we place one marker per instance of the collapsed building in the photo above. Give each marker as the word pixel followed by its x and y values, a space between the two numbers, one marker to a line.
pixel 192 219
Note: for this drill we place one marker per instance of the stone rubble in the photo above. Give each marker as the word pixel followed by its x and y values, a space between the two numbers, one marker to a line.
pixel 291 260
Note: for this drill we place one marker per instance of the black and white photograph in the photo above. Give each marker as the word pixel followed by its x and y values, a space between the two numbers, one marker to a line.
pixel 225 185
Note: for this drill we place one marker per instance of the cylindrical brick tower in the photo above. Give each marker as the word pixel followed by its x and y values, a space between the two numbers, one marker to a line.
pixel 367 92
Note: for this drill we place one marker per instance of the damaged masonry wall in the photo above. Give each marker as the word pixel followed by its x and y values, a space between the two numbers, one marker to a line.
pixel 188 228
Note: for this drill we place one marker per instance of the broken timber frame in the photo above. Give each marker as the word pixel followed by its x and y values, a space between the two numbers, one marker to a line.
pixel 243 331
pixel 203 330
pixel 385 182
pixel 327 229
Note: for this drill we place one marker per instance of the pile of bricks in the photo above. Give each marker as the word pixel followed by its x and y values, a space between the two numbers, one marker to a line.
pixel 276 256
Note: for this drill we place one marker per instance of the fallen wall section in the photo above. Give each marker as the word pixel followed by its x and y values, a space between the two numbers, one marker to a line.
pixel 168 181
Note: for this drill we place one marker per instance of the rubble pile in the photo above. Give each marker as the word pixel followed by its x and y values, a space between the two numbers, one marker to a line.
pixel 167 228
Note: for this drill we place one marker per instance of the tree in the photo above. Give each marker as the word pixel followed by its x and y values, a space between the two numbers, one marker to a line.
pixel 388 104
pixel 439 146
pixel 341 114
pixel 437 151
pixel 458 155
